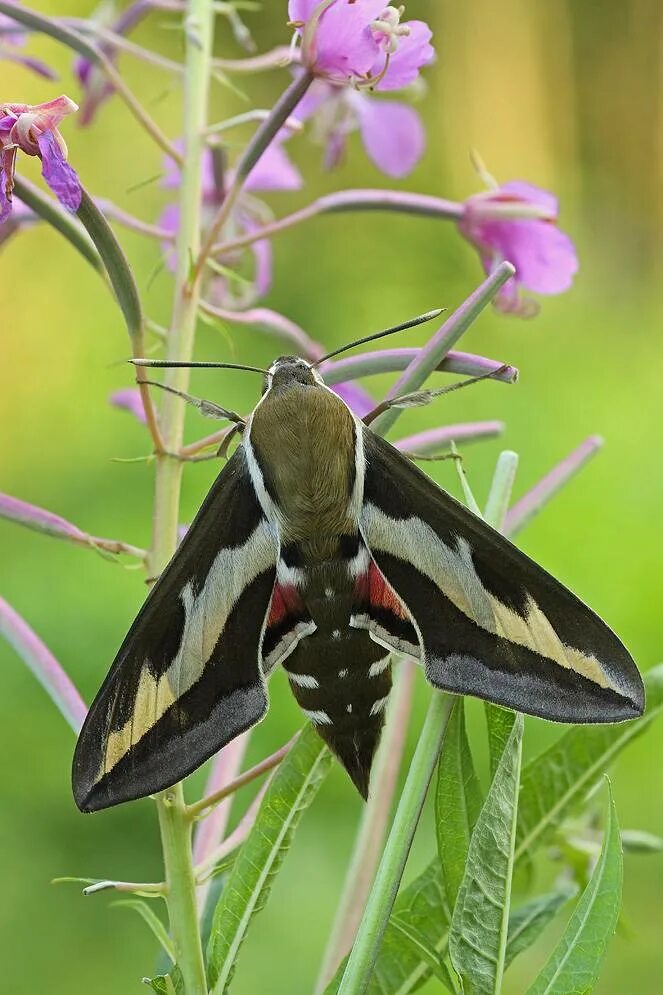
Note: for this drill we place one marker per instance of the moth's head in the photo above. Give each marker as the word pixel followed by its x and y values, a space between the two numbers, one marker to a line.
pixel 289 370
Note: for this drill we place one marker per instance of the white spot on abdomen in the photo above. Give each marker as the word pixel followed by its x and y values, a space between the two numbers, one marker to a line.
pixel 317 717
pixel 304 680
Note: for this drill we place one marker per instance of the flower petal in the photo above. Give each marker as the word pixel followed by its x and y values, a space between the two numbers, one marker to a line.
pixel 392 133
pixel 47 116
pixel 344 46
pixel 531 194
pixel 413 52
pixel 545 258
pixel 129 399
pixel 57 172
pixel 5 200
pixel 274 171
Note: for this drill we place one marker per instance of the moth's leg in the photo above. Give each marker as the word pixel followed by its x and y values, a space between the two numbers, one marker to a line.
pixel 432 457
pixel 207 408
pixel 417 398
pixel 237 429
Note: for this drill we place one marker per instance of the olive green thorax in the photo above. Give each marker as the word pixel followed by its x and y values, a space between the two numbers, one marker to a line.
pixel 303 437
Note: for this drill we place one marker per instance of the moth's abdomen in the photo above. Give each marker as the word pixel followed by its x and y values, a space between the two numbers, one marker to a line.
pixel 341 680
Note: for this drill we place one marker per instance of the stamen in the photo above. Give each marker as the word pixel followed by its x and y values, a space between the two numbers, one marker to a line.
pixel 388 26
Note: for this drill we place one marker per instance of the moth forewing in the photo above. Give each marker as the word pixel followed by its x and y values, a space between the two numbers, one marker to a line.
pixel 491 622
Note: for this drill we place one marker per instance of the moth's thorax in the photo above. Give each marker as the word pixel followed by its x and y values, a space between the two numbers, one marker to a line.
pixel 303 439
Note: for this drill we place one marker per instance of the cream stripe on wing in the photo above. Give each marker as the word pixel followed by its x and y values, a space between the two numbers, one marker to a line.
pixel 206 614
pixel 453 571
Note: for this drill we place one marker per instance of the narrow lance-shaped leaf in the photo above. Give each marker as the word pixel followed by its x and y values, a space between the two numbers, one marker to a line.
pixel 117 267
pixel 557 781
pixel 499 723
pixel 477 941
pixel 292 790
pixel 399 967
pixel 167 984
pixel 417 943
pixel 574 965
pixel 457 802
pixel 527 922
pixel 541 810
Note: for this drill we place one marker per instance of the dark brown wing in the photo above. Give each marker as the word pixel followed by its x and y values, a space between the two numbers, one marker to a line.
pixel 490 622
pixel 187 678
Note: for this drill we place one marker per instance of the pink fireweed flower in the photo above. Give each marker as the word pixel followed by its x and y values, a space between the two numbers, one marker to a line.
pixel 33 129
pixel 12 40
pixel 391 132
pixel 273 171
pixel 361 42
pixel 517 221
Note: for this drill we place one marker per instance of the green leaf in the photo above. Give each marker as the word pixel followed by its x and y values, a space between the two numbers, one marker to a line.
pixel 574 965
pixel 49 210
pixel 418 944
pixel 557 781
pixel 117 266
pixel 457 801
pixel 477 941
pixel 400 969
pixel 499 723
pixel 167 984
pixel 527 922
pixel 151 918
pixel 293 787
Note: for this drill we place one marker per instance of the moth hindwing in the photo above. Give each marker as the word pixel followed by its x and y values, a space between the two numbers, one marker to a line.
pixel 323 548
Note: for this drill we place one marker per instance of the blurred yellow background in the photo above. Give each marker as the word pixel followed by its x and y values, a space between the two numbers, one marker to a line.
pixel 566 95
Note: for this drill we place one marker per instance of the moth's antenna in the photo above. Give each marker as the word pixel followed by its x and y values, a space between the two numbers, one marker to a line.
pixel 419 320
pixel 168 364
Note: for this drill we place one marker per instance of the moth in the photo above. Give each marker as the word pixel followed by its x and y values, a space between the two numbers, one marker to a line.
pixel 323 549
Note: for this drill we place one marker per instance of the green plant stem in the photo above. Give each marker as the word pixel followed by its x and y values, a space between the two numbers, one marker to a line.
pixel 378 908
pixel 174 823
pixel 373 826
pixel 175 827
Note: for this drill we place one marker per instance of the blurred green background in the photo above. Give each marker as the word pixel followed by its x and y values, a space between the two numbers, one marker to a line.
pixel 563 94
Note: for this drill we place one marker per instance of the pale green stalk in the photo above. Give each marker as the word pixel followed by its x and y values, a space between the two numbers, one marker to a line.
pixel 499 495
pixel 373 826
pixel 173 821
pixel 378 908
